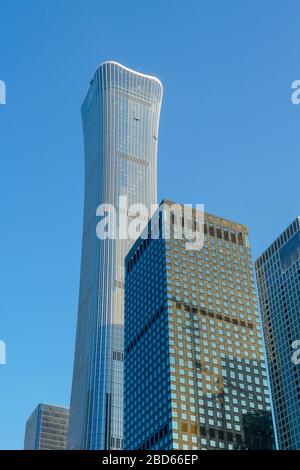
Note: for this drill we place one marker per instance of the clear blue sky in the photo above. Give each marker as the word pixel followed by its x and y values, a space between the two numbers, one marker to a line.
pixel 228 139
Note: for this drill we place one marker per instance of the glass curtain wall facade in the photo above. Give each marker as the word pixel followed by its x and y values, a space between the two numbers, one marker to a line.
pixel 47 428
pixel 195 369
pixel 278 278
pixel 120 116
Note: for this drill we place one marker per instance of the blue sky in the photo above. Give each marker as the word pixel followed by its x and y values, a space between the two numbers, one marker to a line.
pixel 228 139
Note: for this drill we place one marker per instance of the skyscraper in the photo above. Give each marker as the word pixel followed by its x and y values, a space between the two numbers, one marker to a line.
pixel 47 428
pixel 278 278
pixel 120 115
pixel 194 358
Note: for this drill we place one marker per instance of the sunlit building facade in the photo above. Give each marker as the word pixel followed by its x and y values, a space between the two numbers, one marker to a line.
pixel 194 357
pixel 278 278
pixel 47 428
pixel 120 116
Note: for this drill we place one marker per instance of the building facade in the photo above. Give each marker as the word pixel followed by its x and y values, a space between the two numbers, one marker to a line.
pixel 47 428
pixel 120 115
pixel 194 357
pixel 278 278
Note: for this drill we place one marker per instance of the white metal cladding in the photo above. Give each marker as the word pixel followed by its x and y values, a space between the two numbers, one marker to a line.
pixel 120 115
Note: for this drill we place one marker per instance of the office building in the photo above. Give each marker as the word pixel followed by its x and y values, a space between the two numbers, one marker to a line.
pixel 120 116
pixel 278 278
pixel 194 356
pixel 47 428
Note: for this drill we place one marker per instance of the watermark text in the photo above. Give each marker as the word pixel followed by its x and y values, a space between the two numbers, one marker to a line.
pixel 2 92
pixel 165 221
pixel 2 353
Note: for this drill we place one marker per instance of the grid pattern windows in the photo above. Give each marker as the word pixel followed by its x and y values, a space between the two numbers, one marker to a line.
pixel 199 369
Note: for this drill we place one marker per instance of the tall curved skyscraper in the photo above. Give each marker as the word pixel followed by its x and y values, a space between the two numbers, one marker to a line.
pixel 120 115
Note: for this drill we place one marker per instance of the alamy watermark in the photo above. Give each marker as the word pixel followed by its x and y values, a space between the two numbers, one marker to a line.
pixel 2 92
pixel 2 353
pixel 128 222
pixel 295 96
pixel 2 343
pixel 296 353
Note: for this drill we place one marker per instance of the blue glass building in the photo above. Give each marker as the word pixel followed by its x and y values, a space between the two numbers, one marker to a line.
pixel 195 371
pixel 47 428
pixel 120 116
pixel 278 278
